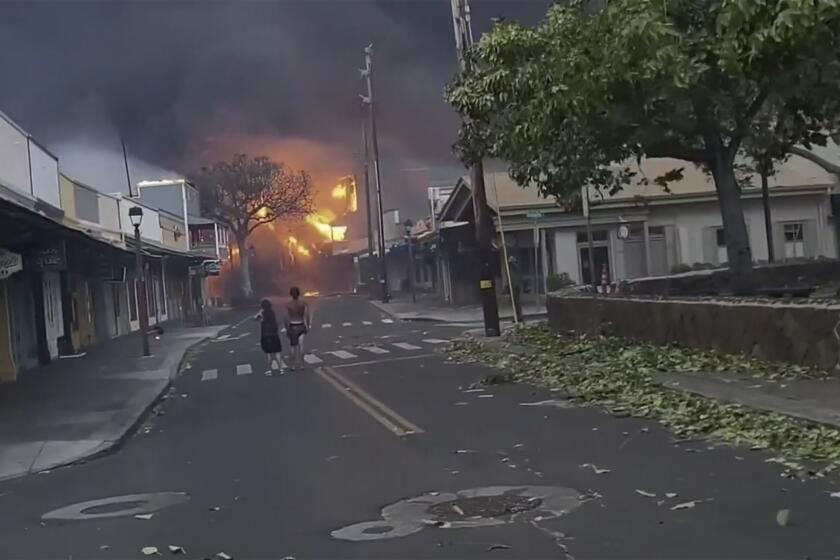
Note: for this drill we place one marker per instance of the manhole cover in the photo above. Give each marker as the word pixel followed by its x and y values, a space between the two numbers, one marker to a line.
pixel 475 507
pixel 116 506
pixel 483 506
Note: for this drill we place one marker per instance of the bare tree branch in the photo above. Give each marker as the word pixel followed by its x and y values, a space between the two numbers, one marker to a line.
pixel 832 168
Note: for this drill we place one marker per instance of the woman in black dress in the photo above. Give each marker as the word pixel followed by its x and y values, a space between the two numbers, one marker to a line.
pixel 269 335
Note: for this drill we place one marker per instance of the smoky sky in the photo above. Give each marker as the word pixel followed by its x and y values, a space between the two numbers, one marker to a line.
pixel 186 83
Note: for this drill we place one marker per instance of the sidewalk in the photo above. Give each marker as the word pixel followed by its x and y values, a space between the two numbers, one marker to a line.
pixel 814 400
pixel 430 308
pixel 78 407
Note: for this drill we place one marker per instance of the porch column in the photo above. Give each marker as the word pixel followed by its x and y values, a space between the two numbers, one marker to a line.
pixel 648 262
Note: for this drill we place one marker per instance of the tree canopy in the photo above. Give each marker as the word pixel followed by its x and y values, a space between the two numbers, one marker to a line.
pixel 568 102
pixel 248 192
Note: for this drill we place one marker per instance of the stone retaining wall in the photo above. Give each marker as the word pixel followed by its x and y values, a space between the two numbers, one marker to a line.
pixel 798 334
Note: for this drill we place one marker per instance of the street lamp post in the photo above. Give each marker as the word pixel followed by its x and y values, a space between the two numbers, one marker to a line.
pixel 408 225
pixel 135 214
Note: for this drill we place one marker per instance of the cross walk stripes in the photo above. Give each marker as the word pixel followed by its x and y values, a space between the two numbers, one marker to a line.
pixel 359 354
pixel 343 354
pixel 346 324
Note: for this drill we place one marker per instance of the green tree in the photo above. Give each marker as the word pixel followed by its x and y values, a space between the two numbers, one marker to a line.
pixel 566 102
pixel 248 192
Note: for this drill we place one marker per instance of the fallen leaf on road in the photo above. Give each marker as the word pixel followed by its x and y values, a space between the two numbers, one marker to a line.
pixel 498 547
pixel 175 549
pixel 645 493
pixel 594 468
pixel 671 495
pixel 685 505
pixel 782 517
pixel 149 550
pixel 144 516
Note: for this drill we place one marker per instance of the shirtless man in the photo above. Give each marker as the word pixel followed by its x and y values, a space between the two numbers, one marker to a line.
pixel 297 325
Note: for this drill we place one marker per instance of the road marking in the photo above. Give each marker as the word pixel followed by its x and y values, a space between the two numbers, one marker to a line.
pixel 387 360
pixel 367 402
pixel 406 346
pixel 343 354
pixel 312 359
pixel 435 341
pixel 375 349
pixel 209 374
pixel 367 323
pixel 346 324
pixel 243 369
pixel 326 325
pixel 387 321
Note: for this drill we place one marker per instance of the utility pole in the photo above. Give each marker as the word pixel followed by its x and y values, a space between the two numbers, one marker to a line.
pixel 127 174
pixel 369 278
pixel 367 73
pixel 483 222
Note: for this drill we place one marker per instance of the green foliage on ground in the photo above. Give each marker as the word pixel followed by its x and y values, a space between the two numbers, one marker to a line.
pixel 618 375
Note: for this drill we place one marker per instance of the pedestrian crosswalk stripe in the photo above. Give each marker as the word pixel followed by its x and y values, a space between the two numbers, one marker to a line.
pixel 312 359
pixel 406 346
pixel 366 323
pixel 434 341
pixel 326 325
pixel 243 369
pixel 387 321
pixel 343 354
pixel 375 349
pixel 346 324
pixel 209 374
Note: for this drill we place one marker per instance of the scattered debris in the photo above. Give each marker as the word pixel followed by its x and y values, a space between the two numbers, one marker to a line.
pixel 518 445
pixel 149 551
pixel 686 505
pixel 144 516
pixel 498 547
pixel 214 508
pixel 105 547
pixel 184 395
pixel 645 493
pixel 175 549
pixel 437 523
pixel 595 468
pixel 223 556
pixel 782 517
pixel 671 495
pixel 464 451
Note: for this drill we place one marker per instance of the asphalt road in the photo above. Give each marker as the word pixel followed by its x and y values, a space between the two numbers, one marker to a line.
pixel 272 466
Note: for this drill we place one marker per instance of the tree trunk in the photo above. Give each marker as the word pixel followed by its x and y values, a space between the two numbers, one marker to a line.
pixel 734 227
pixel 768 222
pixel 244 265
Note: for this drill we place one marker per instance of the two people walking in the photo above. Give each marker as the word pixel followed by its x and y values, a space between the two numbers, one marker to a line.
pixel 297 322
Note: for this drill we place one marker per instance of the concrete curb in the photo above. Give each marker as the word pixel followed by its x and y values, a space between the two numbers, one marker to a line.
pixel 381 306
pixel 134 417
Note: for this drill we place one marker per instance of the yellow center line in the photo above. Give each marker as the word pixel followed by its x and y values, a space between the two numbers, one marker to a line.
pixel 367 402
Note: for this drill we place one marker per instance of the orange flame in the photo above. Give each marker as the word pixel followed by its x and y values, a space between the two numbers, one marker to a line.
pixel 321 222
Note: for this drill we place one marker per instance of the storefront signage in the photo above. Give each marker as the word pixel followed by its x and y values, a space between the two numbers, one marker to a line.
pixel 52 257
pixel 9 263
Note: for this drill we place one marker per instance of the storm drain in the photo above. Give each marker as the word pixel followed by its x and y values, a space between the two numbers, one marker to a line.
pixel 474 507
